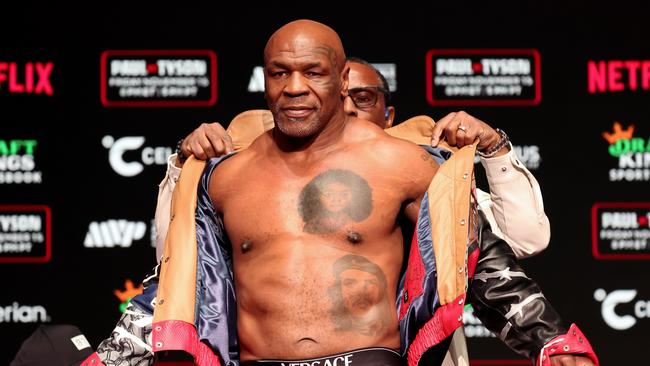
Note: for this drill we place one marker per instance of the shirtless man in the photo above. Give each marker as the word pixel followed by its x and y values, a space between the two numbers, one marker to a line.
pixel 285 261
pixel 297 245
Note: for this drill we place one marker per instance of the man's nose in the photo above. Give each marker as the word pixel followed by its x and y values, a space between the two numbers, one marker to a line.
pixel 349 107
pixel 296 85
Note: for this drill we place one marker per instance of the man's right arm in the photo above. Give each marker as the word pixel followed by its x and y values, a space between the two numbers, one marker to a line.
pixel 207 141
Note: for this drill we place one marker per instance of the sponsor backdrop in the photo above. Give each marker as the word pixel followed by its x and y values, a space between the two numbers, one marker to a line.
pixel 92 104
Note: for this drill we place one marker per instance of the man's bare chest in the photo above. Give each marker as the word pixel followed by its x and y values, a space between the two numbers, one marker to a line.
pixel 340 201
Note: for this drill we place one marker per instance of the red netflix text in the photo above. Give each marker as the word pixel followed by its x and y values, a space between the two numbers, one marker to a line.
pixel 26 78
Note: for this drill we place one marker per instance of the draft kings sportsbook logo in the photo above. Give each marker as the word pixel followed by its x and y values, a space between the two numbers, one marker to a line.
pixel 160 78
pixel 483 77
pixel 632 154
pixel 129 292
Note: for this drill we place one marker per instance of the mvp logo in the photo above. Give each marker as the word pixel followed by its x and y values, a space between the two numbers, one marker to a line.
pixel 112 233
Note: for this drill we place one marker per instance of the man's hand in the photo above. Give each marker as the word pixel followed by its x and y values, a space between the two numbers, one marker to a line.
pixel 570 360
pixel 460 129
pixel 209 140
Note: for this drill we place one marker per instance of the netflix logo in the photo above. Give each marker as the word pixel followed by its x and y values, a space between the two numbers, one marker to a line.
pixel 26 78
pixel 617 75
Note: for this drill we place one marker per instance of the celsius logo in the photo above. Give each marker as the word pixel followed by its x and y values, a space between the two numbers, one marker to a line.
pixel 111 233
pixel 16 313
pixel 633 154
pixel 129 292
pixel 148 156
pixel 618 319
pixel 617 75
pixel 256 82
pixel 26 78
pixel 17 163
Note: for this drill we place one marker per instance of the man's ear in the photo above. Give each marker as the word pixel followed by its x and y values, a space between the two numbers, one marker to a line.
pixel 345 80
pixel 390 116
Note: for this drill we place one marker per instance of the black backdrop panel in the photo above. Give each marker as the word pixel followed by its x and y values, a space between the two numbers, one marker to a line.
pixel 80 162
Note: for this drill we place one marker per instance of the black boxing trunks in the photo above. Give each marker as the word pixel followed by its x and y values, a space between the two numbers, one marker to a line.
pixel 376 356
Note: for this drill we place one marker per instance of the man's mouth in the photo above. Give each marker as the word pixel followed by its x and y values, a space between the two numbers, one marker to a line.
pixel 297 111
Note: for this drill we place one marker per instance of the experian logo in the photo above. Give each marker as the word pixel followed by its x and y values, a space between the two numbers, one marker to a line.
pixel 619 320
pixel 148 156
pixel 16 313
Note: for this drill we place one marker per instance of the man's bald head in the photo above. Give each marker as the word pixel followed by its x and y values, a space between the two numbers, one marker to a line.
pixel 307 34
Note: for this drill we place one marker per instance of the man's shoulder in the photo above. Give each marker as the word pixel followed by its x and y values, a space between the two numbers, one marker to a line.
pixel 367 133
pixel 391 149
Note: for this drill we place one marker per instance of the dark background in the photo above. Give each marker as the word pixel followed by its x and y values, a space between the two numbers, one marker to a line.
pixel 76 286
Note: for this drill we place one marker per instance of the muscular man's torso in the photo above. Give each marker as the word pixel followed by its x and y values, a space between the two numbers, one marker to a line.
pixel 316 246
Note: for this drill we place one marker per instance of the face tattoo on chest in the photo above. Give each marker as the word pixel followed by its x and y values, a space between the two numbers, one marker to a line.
pixel 334 199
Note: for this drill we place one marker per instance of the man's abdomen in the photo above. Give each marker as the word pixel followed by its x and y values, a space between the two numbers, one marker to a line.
pixel 302 299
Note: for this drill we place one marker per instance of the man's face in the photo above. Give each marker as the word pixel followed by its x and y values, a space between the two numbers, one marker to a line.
pixel 362 76
pixel 360 290
pixel 303 85
pixel 336 196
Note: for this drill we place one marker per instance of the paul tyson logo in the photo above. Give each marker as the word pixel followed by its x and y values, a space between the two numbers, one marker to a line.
pixel 483 77
pixel 620 230
pixel 25 234
pixel 16 313
pixel 129 292
pixel 619 309
pixel 148 155
pixel 165 78
pixel 632 153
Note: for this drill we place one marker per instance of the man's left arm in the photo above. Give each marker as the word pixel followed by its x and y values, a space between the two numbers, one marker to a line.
pixel 516 203
pixel 515 200
pixel 514 308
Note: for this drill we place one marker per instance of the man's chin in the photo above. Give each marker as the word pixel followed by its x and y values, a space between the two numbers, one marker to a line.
pixel 296 129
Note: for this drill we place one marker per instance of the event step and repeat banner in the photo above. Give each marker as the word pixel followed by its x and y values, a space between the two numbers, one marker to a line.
pixel 93 105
